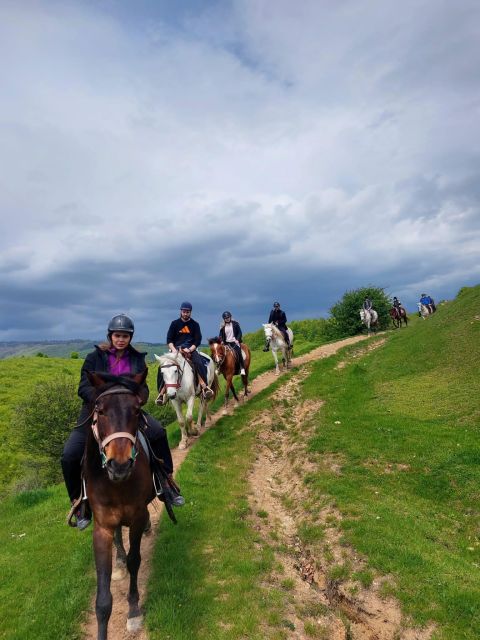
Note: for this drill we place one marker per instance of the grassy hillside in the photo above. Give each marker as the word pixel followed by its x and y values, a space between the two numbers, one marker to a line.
pixel 400 424
pixel 65 348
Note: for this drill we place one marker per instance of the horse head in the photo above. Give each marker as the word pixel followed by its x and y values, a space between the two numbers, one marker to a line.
pixel 218 351
pixel 172 369
pixel 268 329
pixel 116 418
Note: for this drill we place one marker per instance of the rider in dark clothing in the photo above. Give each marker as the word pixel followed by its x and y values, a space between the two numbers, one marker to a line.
pixel 231 335
pixel 184 334
pixel 367 304
pixel 117 357
pixel 278 318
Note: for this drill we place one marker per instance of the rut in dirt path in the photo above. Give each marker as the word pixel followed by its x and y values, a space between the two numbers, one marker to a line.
pixel 315 603
pixel 117 624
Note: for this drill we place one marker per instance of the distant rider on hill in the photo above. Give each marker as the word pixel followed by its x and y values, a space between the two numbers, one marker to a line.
pixel 279 319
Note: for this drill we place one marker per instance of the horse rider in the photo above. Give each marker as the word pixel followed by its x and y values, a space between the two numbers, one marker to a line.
pixel 397 305
pixel 231 335
pixel 279 319
pixel 367 304
pixel 428 302
pixel 184 335
pixel 119 358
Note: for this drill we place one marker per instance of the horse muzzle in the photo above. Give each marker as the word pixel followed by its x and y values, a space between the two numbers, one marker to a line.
pixel 119 471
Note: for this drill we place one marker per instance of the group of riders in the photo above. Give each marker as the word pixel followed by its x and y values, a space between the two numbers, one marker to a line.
pixel 118 357
pixel 398 309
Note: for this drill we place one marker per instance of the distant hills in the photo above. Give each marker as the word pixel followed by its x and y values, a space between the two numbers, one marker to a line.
pixel 65 348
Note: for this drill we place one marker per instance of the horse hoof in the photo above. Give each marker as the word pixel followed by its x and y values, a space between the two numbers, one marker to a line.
pixel 134 624
pixel 193 431
pixel 183 444
pixel 119 573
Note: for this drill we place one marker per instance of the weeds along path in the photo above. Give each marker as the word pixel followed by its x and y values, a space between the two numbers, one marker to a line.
pixel 117 625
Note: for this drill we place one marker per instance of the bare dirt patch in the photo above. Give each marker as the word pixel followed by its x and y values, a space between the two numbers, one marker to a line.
pixel 325 594
pixel 117 625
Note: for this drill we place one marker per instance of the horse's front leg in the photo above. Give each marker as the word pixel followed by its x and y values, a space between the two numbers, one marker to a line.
pixel 203 406
pixel 102 545
pixel 191 429
pixel 275 357
pixel 135 616
pixel 121 560
pixel 183 444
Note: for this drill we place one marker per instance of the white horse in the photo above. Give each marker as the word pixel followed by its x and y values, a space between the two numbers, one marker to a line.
pixel 424 310
pixel 369 319
pixel 277 343
pixel 180 384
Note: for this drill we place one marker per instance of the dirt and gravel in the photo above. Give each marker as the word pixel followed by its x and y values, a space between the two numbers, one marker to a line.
pixel 318 605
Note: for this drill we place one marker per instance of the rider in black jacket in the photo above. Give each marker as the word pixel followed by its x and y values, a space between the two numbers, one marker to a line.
pixel 117 357
pixel 231 335
pixel 278 318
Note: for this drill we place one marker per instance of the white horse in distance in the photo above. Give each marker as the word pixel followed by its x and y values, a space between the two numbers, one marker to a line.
pixel 277 343
pixel 424 310
pixel 180 384
pixel 369 319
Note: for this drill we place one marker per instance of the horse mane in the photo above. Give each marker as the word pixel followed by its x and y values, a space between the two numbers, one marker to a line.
pixel 114 381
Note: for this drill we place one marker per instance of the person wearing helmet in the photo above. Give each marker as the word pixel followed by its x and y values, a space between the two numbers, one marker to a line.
pixel 231 335
pixel 428 302
pixel 117 357
pixel 184 335
pixel 367 304
pixel 278 318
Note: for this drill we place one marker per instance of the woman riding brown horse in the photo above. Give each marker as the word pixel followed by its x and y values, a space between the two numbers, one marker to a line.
pixel 231 357
pixel 120 486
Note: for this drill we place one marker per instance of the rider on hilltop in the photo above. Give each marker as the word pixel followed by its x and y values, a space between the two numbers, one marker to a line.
pixel 119 358
pixel 184 335
pixel 367 304
pixel 278 318
pixel 231 335
pixel 428 302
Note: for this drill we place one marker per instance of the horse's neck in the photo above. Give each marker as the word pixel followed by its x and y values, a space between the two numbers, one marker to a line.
pixel 277 336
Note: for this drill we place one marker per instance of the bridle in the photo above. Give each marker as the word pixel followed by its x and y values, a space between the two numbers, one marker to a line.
pixel 219 363
pixel 178 383
pixel 118 434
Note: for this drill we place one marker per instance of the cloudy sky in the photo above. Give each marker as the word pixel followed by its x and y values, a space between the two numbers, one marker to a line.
pixel 232 153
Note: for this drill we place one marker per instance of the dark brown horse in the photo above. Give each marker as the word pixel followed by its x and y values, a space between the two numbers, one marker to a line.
pixel 398 315
pixel 119 486
pixel 227 363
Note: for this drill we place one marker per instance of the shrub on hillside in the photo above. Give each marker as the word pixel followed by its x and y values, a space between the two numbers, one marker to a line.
pixel 44 421
pixel 74 355
pixel 346 316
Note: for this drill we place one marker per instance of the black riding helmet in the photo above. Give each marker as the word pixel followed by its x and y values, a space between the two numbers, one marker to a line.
pixel 121 323
pixel 276 304
pixel 226 314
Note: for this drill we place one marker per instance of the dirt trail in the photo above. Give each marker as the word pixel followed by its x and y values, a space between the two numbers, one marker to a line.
pixel 117 625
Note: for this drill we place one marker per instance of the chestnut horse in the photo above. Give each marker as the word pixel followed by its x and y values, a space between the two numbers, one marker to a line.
pixel 226 363
pixel 397 316
pixel 120 486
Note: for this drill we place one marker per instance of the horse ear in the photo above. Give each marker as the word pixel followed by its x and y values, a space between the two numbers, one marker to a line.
pixel 157 357
pixel 140 378
pixel 95 379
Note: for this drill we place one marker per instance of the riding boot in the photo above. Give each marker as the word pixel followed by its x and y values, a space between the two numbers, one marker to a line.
pixel 267 345
pixel 162 397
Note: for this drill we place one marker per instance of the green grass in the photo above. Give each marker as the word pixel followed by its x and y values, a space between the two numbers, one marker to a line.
pixel 49 569
pixel 410 481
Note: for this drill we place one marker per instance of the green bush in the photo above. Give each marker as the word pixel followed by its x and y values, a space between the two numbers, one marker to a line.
pixel 74 355
pixel 346 316
pixel 43 422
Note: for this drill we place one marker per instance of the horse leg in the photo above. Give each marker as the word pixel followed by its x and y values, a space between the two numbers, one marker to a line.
pixel 227 394
pixel 121 561
pixel 203 406
pixel 183 444
pixel 191 430
pixel 135 617
pixel 102 545
pixel 234 392
pixel 275 357
pixel 245 385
